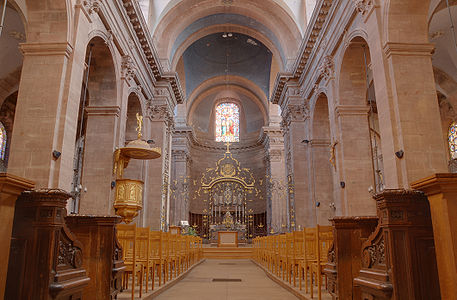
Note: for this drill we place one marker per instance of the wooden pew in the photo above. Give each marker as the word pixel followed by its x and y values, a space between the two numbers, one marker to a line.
pixel 344 258
pixel 398 258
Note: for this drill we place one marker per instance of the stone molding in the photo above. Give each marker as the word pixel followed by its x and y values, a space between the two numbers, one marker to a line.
pixel 91 6
pixel 128 68
pixel 327 68
pixel 363 6
pixel 314 29
pixel 406 49
pixel 136 19
pixel 44 49
pixel 347 110
pixel 103 110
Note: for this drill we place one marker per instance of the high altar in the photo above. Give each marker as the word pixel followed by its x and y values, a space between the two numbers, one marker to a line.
pixel 227 191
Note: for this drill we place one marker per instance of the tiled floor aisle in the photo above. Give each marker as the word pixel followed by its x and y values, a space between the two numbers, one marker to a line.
pixel 198 284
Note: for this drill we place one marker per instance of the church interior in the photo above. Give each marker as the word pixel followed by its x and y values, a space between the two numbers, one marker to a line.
pixel 228 149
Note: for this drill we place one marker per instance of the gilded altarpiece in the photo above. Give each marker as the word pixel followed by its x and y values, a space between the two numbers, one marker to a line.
pixel 228 192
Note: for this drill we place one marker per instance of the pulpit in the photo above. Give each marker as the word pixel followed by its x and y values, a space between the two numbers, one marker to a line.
pixel 227 239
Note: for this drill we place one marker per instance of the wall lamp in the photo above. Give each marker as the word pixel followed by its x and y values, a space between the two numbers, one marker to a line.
pixel 56 154
pixel 305 141
pixel 150 142
pixel 399 153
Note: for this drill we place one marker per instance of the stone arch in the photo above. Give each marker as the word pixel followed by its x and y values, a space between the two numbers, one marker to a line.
pixel 322 169
pixel 176 55
pixel 270 14
pixel 352 145
pixel 100 112
pixel 133 107
pixel 49 21
pixel 102 81
pixel 406 21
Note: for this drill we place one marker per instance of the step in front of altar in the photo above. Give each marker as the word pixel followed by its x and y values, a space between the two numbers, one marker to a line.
pixel 227 253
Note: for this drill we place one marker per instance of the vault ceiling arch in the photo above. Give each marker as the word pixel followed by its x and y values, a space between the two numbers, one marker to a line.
pixel 267 15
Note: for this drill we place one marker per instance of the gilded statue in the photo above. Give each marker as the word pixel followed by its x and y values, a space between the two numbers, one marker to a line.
pixel 332 154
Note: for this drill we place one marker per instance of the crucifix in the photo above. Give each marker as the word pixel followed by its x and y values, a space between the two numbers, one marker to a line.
pixel 228 147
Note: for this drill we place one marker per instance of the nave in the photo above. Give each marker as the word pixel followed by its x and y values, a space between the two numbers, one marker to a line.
pixel 207 282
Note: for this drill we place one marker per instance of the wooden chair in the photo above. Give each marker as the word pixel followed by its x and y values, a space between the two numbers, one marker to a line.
pixel 282 263
pixel 289 255
pixel 309 253
pixel 275 254
pixel 324 237
pixel 297 254
pixel 156 257
pixel 127 236
pixel 142 253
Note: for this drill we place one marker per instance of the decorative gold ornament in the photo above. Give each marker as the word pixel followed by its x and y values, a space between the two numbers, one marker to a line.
pixel 129 192
pixel 129 198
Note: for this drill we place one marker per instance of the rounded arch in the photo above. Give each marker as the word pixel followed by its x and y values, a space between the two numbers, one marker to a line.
pixel 102 78
pixel 236 84
pixel 406 21
pixel 181 48
pixel 133 108
pixel 49 22
pixel 352 72
pixel 229 81
pixel 320 118
pixel 270 15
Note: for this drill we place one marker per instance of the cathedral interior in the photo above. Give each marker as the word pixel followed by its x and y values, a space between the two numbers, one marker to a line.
pixel 228 149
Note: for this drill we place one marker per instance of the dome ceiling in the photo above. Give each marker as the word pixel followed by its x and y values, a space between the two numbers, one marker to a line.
pixel 222 54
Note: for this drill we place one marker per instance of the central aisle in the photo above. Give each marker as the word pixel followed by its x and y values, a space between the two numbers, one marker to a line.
pixel 199 284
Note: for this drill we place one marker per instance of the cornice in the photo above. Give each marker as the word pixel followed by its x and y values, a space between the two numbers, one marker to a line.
pixel 317 20
pixel 136 19
pixel 40 49
pixel 235 147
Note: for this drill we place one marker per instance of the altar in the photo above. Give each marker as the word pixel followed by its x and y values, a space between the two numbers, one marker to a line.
pixel 227 239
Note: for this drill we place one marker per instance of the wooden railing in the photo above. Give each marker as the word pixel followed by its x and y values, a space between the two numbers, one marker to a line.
pixel 148 254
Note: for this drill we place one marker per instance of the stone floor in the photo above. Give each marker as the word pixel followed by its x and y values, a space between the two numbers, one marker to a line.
pixel 254 284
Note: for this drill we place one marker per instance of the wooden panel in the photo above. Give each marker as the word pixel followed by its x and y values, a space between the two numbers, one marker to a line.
pixel 400 251
pixel 344 257
pixel 98 235
pixel 51 262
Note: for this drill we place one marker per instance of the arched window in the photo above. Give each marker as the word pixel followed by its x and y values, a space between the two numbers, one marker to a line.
pixel 227 123
pixel 452 140
pixel 2 141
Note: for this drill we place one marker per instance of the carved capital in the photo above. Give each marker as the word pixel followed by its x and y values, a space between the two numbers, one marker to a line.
pixel 294 113
pixel 161 92
pixel 92 6
pixel 128 68
pixel 161 113
pixel 363 6
pixel 327 68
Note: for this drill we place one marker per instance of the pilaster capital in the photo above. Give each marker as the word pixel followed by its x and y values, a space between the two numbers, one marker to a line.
pixel 294 113
pixel 91 6
pixel 345 110
pixel 363 7
pixel 327 68
pixel 45 49
pixel 408 49
pixel 128 68
pixel 103 110
pixel 160 112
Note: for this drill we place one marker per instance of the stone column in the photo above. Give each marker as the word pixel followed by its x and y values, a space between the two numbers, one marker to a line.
pixel 97 173
pixel 276 175
pixel 40 120
pixel 441 190
pixel 179 206
pixel 295 123
pixel 10 188
pixel 353 161
pixel 157 179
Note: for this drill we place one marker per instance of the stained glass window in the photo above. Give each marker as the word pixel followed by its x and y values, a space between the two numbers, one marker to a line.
pixel 227 123
pixel 2 141
pixel 452 140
